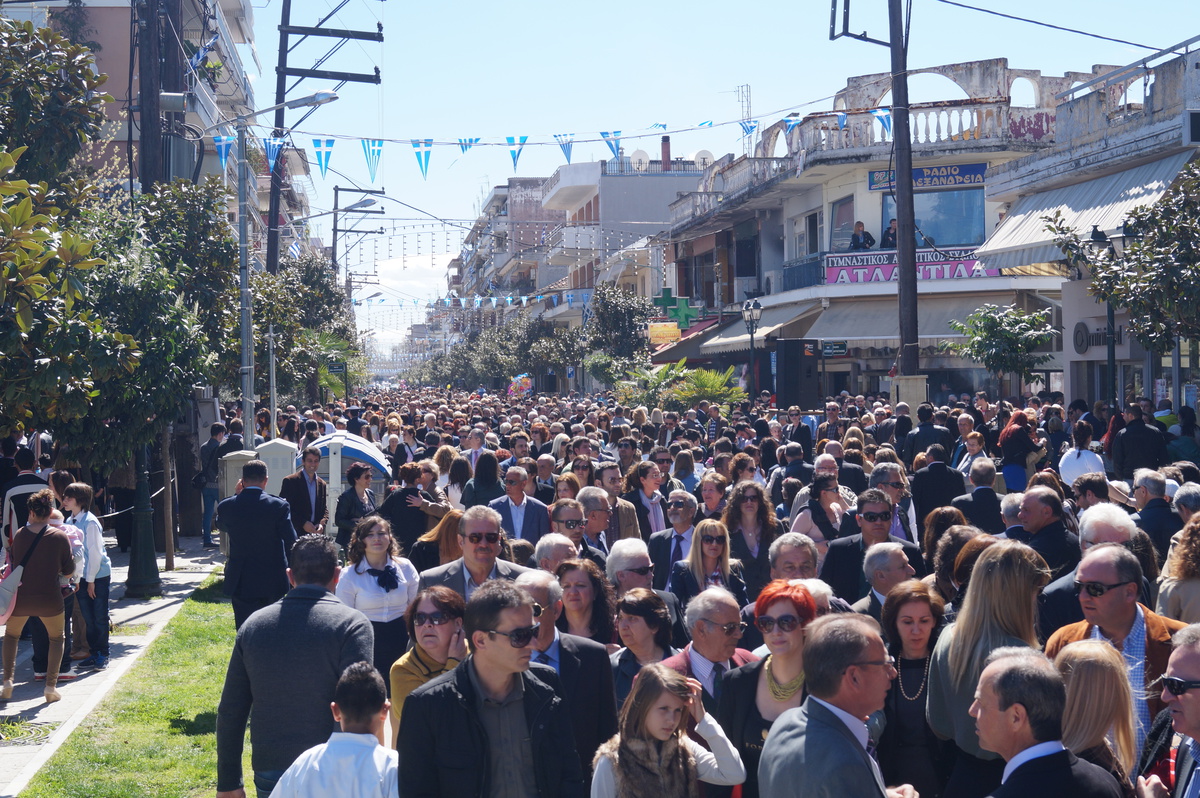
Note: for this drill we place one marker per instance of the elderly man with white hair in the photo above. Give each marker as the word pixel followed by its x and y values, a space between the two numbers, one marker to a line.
pixel 1154 516
pixel 1058 604
pixel 629 566
pixel 885 566
pixel 714 619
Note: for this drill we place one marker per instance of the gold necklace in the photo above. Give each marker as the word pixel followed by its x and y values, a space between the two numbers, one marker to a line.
pixel 782 692
pixel 921 689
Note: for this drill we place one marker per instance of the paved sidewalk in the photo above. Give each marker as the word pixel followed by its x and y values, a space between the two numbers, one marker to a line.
pixel 145 618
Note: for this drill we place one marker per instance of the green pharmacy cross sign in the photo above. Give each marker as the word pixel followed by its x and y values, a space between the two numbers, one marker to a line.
pixel 679 309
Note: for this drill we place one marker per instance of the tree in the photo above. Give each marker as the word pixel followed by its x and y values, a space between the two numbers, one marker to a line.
pixel 615 326
pixel 1005 339
pixel 1157 279
pixel 697 385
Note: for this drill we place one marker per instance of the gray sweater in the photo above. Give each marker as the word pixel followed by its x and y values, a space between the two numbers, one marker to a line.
pixel 286 663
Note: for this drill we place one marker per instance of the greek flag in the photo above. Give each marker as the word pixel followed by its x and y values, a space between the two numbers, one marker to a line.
pixel 294 249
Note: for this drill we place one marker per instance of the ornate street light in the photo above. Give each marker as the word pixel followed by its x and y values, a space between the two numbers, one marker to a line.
pixel 752 314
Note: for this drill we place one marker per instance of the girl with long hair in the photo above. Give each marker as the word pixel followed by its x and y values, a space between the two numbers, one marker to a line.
pixel 708 563
pixel 439 545
pixel 485 485
pixel 651 755
pixel 1179 592
pixel 1080 459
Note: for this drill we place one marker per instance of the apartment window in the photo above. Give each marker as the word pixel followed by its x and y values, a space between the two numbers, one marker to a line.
pixel 947 218
pixel 841 215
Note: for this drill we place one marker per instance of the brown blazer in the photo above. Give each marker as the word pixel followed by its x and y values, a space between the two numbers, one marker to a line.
pixel 1158 648
pixel 294 491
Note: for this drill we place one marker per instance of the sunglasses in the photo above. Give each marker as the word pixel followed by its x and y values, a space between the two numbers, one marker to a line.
pixel 664 461
pixel 766 623
pixel 643 571
pixel 1176 686
pixel 477 537
pixel 730 629
pixel 751 497
pixel 518 638
pixel 873 518
pixel 514 482
pixel 677 504
pixel 896 485
pixel 438 618
pixel 569 523
pixel 1096 589
pixel 709 540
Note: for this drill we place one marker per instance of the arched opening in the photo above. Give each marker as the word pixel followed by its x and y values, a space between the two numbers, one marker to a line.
pixel 1022 93
pixel 780 149
pixel 1136 93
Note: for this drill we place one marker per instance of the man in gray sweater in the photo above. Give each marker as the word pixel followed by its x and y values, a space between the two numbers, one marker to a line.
pixel 286 662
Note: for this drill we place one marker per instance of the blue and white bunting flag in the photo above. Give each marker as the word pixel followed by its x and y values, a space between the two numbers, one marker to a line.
pixel 565 141
pixel 705 123
pixel 570 300
pixel 272 146
pixel 294 249
pixel 613 140
pixel 423 148
pixel 841 120
pixel 791 122
pixel 658 126
pixel 323 149
pixel 466 144
pixel 515 145
pixel 223 145
pixel 524 301
pixel 373 151
pixel 884 115
pixel 201 55
pixel 748 126
pixel 478 302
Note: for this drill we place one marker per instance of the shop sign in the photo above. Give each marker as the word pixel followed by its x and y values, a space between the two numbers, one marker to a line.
pixel 663 332
pixel 1084 338
pixel 948 176
pixel 881 267
pixel 835 348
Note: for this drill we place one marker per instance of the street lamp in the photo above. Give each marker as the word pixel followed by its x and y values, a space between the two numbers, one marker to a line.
pixel 247 331
pixel 752 314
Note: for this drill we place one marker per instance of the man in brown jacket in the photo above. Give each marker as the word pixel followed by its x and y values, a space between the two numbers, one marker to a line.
pixel 1107 582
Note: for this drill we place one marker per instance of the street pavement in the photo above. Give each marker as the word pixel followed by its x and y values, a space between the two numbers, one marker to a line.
pixel 52 724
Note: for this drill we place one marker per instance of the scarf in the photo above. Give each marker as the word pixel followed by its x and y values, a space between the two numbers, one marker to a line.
pixel 643 769
pixel 386 577
pixel 821 518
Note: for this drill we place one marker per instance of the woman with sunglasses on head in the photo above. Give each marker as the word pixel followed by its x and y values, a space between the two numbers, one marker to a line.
pixel 909 751
pixel 380 584
pixel 708 563
pixel 755 695
pixel 435 627
pixel 644 628
pixel 652 756
pixel 750 519
pixel 587 601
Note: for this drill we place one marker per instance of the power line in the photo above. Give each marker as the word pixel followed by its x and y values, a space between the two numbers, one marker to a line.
pixel 1048 25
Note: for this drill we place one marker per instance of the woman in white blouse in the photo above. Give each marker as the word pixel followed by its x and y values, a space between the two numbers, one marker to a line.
pixel 380 584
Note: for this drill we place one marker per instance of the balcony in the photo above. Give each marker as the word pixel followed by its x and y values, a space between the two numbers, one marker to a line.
pixel 627 166
pixel 879 266
pixel 692 205
pixel 572 243
pixel 803 272
pixel 748 173
pixel 571 186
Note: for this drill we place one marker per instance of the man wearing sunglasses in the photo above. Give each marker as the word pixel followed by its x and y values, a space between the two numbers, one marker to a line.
pixel 1107 583
pixel 480 535
pixel 567 517
pixel 843 566
pixel 1182 697
pixel 522 516
pixel 495 724
pixel 714 619
pixel 672 545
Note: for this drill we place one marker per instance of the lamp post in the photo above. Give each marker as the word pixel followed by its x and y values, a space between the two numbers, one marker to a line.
pixel 247 331
pixel 751 314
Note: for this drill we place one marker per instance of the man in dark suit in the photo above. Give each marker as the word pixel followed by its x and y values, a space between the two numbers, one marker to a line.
pixel 261 534
pixel 544 480
pixel 1154 516
pixel 966 425
pixel 884 427
pixel 885 565
pixel 843 566
pixel 714 619
pixel 480 535
pixel 981 507
pixel 849 474
pixel 516 505
pixel 1184 664
pixel 821 747
pixel 1018 713
pixel 567 519
pixel 674 543
pixel 629 566
pixel 583 667
pixel 1041 518
pixel 307 495
pixel 924 435
pixel 936 485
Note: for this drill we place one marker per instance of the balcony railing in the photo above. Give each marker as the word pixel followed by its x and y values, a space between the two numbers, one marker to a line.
pixel 572 241
pixel 693 204
pixel 627 166
pixel 803 272
pixel 745 174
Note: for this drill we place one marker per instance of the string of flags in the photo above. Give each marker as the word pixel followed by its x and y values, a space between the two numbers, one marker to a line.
pixel 477 302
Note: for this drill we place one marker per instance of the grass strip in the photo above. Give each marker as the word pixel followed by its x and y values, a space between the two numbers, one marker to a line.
pixel 155 733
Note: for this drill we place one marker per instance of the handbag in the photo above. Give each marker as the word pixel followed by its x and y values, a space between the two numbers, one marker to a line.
pixel 10 583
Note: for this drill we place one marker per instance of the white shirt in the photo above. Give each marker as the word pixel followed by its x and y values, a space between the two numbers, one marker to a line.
pixel 518 515
pixel 1032 752
pixel 1072 467
pixel 685 545
pixel 349 766
pixel 471 587
pixel 702 669
pixel 358 589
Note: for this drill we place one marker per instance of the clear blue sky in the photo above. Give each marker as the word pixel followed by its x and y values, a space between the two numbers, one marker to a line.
pixel 537 68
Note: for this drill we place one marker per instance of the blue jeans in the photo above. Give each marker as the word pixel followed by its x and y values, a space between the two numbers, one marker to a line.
pixel 95 614
pixel 265 781
pixel 210 497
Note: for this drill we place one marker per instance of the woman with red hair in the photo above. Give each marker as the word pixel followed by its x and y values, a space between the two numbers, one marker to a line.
pixel 1016 445
pixel 754 695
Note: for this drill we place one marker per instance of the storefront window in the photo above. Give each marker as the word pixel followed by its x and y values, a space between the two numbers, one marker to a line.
pixel 946 218
pixel 841 216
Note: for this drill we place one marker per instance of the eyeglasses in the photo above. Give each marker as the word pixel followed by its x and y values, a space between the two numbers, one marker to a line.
pixel 730 629
pixel 518 638
pixel 766 623
pixel 751 497
pixel 664 461
pixel 477 537
pixel 1176 686
pixel 709 540
pixel 1096 589
pixel 677 504
pixel 874 518
pixel 896 485
pixel 887 662
pixel 645 570
pixel 514 482
pixel 569 523
pixel 438 618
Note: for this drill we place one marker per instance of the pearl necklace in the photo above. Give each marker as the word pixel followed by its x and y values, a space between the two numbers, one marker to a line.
pixel 921 689
pixel 782 692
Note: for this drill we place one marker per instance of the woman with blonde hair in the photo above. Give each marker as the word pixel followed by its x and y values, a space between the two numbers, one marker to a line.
pixel 559 445
pixel 444 457
pixel 1092 668
pixel 439 545
pixel 708 563
pixel 1179 592
pixel 999 609
pixel 651 755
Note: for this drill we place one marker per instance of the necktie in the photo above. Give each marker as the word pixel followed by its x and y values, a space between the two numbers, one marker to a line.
pixel 718 670
pixel 677 552
pixel 543 658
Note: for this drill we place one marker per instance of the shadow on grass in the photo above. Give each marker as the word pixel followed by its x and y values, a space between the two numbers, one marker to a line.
pixel 212 592
pixel 203 723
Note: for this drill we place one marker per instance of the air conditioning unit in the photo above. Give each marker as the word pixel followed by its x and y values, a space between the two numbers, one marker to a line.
pixel 1191 128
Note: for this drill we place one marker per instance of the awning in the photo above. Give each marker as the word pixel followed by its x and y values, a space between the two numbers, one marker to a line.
pixel 877 322
pixel 734 338
pixel 688 346
pixel 1021 239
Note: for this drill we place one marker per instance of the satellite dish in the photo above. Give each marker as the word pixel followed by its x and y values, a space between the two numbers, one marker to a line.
pixel 640 160
pixel 703 159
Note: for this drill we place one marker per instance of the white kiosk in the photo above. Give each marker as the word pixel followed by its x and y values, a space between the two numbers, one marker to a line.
pixel 340 449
